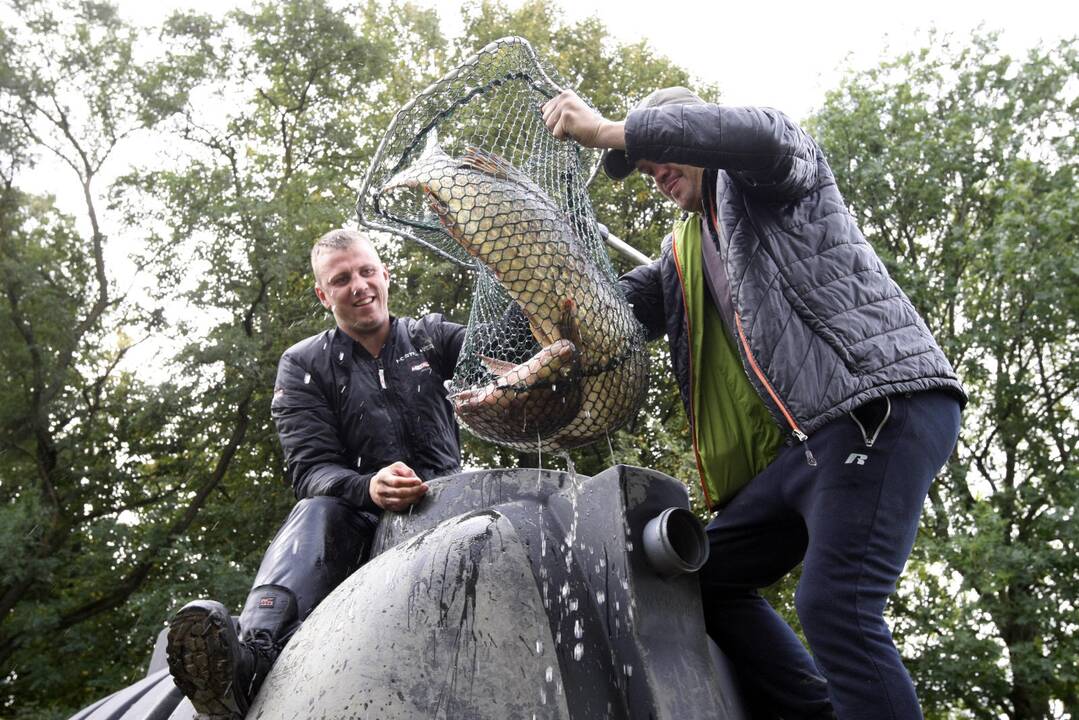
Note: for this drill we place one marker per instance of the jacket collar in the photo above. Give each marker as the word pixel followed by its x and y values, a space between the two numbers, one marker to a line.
pixel 343 348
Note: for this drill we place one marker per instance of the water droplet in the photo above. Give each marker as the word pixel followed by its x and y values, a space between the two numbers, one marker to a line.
pixel 578 651
pixel 573 604
pixel 295 546
pixel 539 647
pixel 601 597
pixel 341 356
pixel 578 629
pixel 549 674
pixel 307 379
pixel 543 696
pixel 628 670
pixel 564 591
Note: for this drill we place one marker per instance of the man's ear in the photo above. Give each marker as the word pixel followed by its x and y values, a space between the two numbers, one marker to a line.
pixel 322 297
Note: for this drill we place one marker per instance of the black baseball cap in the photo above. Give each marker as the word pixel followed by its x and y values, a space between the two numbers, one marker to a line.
pixel 615 163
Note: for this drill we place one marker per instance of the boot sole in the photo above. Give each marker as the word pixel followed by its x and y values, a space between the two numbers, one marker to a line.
pixel 200 659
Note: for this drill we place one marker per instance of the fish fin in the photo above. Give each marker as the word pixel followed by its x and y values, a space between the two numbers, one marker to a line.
pixel 495 366
pixel 487 162
pixel 568 327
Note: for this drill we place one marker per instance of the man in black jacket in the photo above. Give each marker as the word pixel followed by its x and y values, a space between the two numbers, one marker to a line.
pixel 820 405
pixel 362 414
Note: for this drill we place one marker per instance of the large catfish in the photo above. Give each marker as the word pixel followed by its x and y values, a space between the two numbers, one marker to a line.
pixel 589 376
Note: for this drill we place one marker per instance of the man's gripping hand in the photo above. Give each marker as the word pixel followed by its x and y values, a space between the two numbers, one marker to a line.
pixel 395 487
pixel 568 116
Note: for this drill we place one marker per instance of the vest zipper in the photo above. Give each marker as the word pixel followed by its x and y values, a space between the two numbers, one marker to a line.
pixel 795 430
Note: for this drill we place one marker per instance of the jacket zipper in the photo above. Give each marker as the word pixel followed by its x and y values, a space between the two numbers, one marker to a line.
pixel 795 430
pixel 689 362
pixel 381 373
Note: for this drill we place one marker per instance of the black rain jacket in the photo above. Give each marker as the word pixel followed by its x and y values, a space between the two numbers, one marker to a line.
pixel 343 415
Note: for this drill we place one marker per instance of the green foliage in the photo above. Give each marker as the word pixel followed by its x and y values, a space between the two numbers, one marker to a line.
pixel 127 492
pixel 960 164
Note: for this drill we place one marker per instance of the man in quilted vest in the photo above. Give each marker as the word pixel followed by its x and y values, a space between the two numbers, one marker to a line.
pixel 821 408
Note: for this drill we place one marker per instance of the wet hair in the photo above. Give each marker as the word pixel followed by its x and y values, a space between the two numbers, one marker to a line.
pixel 339 239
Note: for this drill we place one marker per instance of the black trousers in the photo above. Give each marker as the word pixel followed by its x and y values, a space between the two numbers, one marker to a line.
pixel 322 541
pixel 851 519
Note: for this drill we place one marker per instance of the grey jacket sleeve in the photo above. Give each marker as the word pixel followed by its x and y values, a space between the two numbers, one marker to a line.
pixel 314 453
pixel 760 148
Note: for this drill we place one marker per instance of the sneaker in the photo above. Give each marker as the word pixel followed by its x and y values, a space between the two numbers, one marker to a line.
pixel 219 674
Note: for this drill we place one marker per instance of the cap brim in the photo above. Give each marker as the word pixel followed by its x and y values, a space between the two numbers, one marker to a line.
pixel 616 165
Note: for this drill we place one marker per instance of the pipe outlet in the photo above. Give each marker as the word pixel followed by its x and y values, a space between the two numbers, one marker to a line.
pixel 675 543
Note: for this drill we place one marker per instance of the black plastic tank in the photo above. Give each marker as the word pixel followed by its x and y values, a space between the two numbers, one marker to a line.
pixel 503 594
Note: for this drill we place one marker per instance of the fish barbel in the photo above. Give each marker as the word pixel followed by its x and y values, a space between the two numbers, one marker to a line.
pixel 589 376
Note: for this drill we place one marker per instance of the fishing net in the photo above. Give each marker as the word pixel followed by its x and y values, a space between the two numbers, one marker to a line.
pixel 553 357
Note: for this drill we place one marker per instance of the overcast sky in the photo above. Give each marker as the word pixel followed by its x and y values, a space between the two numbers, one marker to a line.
pixel 781 53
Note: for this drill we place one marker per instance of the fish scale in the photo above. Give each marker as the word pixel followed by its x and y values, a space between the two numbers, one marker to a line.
pixel 589 375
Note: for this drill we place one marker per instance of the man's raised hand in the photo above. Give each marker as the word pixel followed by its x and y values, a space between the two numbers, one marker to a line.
pixel 568 116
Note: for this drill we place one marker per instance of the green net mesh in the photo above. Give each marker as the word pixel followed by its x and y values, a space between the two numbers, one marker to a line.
pixel 553 357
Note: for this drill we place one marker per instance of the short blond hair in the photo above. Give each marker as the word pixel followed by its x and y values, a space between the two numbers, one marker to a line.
pixel 338 239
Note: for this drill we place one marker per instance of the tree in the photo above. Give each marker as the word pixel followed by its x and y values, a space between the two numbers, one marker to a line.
pixel 960 163
pixel 74 461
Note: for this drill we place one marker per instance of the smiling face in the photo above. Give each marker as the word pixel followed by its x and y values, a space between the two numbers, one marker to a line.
pixel 679 183
pixel 353 284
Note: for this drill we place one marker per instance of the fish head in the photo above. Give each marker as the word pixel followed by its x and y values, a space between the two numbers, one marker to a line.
pixel 447 186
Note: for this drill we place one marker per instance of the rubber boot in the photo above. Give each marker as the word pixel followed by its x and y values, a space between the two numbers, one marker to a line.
pixel 217 671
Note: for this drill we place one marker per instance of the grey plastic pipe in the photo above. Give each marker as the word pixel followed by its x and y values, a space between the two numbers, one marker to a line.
pixel 675 543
